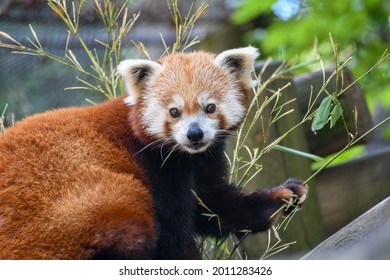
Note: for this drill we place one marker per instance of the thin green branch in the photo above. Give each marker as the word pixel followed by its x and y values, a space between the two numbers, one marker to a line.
pixel 350 144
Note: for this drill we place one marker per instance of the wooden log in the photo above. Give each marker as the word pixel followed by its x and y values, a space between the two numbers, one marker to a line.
pixel 328 140
pixel 306 227
pixel 348 190
pixel 367 237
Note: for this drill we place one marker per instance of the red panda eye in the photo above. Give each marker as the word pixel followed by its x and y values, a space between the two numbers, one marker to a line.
pixel 210 108
pixel 175 113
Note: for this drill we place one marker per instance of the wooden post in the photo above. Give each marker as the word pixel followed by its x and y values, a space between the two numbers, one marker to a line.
pixel 306 227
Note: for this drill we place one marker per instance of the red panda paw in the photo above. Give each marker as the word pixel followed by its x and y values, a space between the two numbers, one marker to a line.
pixel 293 193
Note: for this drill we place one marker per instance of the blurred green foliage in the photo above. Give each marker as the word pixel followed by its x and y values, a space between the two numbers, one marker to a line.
pixel 298 29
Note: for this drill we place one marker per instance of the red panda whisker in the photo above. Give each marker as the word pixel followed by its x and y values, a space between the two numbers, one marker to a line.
pixel 170 151
pixel 156 142
pixel 162 143
pixel 226 131
pixel 222 133
pixel 167 141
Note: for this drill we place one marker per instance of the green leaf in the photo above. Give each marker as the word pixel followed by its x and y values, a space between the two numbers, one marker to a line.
pixel 297 152
pixel 335 114
pixel 321 117
pixel 250 9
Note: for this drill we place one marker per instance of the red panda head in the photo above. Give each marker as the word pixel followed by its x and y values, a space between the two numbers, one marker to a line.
pixel 188 99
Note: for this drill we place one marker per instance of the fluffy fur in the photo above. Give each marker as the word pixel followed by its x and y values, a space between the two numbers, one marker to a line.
pixel 94 182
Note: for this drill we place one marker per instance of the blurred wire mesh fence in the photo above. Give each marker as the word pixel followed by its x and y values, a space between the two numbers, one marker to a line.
pixel 31 84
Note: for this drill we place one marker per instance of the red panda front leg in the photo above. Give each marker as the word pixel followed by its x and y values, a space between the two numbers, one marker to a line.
pixel 236 210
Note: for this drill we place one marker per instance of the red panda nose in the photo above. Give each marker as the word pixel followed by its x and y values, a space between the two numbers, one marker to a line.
pixel 195 134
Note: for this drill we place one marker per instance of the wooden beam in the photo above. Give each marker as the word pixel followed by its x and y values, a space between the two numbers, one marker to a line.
pixel 365 238
pixel 350 189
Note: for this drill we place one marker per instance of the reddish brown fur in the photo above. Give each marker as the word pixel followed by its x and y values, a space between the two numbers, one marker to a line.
pixel 181 75
pixel 70 173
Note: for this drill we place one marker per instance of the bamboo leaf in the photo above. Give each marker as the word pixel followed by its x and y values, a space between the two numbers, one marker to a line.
pixel 321 117
pixel 77 88
pixel 74 60
pixel 335 114
pixel 35 36
pixel 299 153
pixel 7 36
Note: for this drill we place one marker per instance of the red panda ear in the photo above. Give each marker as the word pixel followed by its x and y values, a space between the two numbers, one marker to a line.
pixel 239 62
pixel 136 73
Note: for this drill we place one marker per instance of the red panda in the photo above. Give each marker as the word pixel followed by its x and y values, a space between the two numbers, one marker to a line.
pixel 116 180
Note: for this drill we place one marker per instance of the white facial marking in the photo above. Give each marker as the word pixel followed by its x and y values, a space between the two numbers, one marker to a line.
pixel 178 102
pixel 203 99
pixel 232 108
pixel 153 117
pixel 208 126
